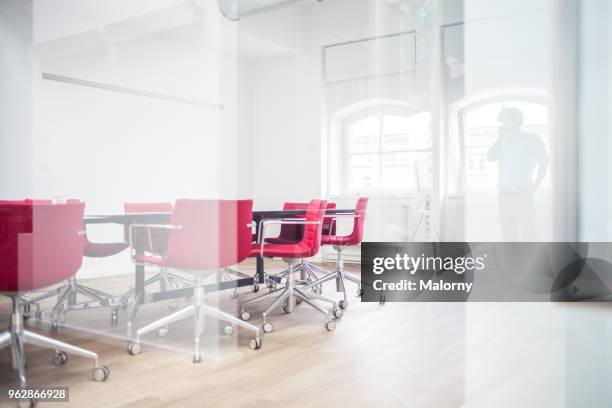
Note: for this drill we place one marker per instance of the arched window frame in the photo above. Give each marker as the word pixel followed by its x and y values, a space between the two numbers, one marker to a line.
pixel 457 186
pixel 364 111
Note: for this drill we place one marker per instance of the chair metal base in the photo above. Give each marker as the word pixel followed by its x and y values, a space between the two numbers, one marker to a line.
pixel 67 296
pixel 67 300
pixel 17 336
pixel 307 270
pixel 339 275
pixel 198 310
pixel 288 296
pixel 166 279
pixel 229 274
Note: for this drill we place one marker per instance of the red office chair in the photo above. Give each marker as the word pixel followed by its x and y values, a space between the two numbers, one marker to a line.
pixel 292 233
pixel 292 253
pixel 289 234
pixel 339 243
pixel 67 295
pixel 203 236
pixel 40 245
pixel 92 249
pixel 157 244
pixel 97 250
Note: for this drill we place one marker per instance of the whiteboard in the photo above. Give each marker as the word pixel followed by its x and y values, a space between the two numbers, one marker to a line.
pixel 370 57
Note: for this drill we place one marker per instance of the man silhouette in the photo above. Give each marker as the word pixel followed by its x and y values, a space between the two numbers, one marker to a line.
pixel 518 155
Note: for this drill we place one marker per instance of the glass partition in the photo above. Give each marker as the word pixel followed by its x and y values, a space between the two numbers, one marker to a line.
pixel 461 121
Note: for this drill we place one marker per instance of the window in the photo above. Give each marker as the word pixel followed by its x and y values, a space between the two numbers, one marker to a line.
pixel 387 150
pixel 480 131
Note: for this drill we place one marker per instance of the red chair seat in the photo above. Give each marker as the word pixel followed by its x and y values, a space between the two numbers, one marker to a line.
pixel 309 243
pixel 104 249
pixel 356 236
pixel 150 260
pixel 281 241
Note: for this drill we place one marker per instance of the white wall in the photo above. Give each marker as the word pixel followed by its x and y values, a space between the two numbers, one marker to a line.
pixel 271 96
pixel 15 99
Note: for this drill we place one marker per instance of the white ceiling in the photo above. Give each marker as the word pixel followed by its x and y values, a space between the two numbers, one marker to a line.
pixel 66 27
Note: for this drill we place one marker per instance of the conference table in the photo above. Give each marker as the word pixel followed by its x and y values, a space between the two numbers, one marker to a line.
pixel 140 295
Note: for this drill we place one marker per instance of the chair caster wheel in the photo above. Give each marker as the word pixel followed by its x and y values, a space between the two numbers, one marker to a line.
pixel 254 343
pixel 101 373
pixel 114 319
pixel 197 360
pixel 338 313
pixel 298 301
pixel 172 306
pixel 267 327
pixel 60 358
pixel 53 326
pixel 343 304
pixel 382 299
pixel 255 288
pixel 330 325
pixel 134 348
pixel 246 316
pixel 286 308
pixel 162 332
pixel 234 294
pixel 228 330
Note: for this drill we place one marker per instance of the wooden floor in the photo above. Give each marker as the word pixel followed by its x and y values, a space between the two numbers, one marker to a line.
pixel 396 355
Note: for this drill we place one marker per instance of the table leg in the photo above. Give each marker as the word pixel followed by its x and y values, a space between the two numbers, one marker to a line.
pixel 139 269
pixel 260 269
pixel 259 260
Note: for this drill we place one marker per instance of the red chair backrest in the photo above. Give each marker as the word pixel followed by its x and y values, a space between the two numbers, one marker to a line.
pixel 295 232
pixel 329 224
pixel 40 244
pixel 311 241
pixel 356 235
pixel 213 234
pixel 7 202
pixel 292 232
pixel 159 238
